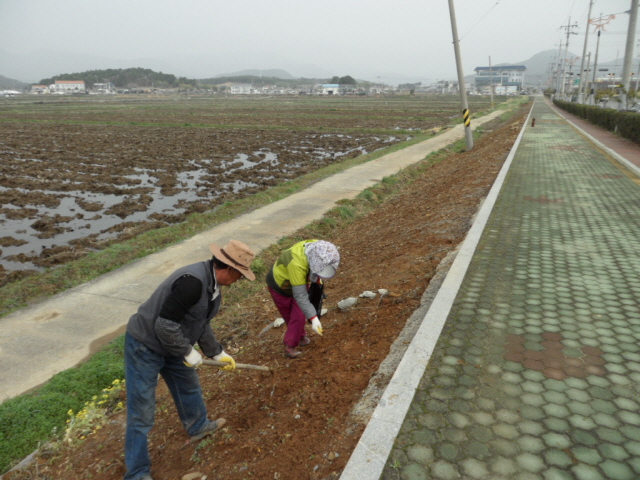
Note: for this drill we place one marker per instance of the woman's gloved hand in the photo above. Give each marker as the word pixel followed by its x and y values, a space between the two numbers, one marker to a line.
pixel 225 357
pixel 194 359
pixel 316 325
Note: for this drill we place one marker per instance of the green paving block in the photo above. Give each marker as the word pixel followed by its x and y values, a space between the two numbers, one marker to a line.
pixel 502 446
pixel 556 424
pixel 603 406
pixel 556 440
pixel 442 470
pixel 530 444
pixel 614 452
pixel 557 458
pixel 618 471
pixel 454 435
pixel 590 456
pixel 557 474
pixel 583 437
pixel 505 431
pixel 605 420
pixel 587 472
pixel 559 411
pixel 580 408
pixel 449 452
pixel 530 462
pixel 414 471
pixel 474 469
pixel 555 397
pixel 633 448
pixel 629 418
pixel 420 454
pixel 504 466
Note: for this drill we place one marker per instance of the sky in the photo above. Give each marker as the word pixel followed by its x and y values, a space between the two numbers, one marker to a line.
pixel 386 41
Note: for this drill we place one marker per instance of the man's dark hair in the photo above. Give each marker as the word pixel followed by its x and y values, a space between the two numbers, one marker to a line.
pixel 217 264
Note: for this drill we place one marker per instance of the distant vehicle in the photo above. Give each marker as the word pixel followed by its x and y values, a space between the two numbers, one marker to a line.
pixel 10 93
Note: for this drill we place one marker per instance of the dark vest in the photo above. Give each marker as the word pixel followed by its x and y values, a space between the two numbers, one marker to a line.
pixel 141 325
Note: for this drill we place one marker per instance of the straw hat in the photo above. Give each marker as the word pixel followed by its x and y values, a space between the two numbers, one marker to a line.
pixel 237 255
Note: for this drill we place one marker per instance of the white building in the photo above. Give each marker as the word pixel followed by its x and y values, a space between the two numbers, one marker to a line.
pixel 241 89
pixel 505 76
pixel 67 86
pixel 104 88
pixel 330 89
pixel 39 89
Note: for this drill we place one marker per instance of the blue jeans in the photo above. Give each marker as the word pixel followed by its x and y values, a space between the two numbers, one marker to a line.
pixel 142 367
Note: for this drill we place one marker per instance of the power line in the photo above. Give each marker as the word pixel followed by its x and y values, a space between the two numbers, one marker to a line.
pixel 481 18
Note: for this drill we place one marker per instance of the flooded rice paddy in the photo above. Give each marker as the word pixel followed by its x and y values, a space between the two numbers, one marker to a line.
pixel 76 174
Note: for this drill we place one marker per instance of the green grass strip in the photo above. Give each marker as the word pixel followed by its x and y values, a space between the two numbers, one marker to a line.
pixel 28 420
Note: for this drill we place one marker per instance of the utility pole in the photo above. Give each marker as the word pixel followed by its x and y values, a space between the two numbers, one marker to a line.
pixel 600 22
pixel 558 69
pixel 491 82
pixel 628 54
pixel 463 94
pixel 568 27
pixel 638 75
pixel 595 70
pixel 585 84
pixel 584 52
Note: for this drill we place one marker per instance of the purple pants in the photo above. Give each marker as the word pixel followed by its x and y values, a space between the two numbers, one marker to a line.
pixel 293 317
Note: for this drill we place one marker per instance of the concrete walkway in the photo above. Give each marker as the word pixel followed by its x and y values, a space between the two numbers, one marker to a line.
pixel 527 364
pixel 52 336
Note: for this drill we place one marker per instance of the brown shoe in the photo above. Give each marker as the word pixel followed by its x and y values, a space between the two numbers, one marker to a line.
pixel 210 428
pixel 291 352
pixel 304 342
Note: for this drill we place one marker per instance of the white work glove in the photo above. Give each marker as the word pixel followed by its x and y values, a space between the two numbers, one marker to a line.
pixel 316 326
pixel 194 359
pixel 225 357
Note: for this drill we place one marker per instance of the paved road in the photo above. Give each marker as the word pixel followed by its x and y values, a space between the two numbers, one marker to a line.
pixel 527 364
pixel 59 333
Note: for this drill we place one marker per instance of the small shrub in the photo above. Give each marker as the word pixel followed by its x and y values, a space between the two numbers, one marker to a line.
pixel 94 414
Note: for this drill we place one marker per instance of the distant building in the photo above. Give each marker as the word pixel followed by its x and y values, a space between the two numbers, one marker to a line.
pixel 505 75
pixel 104 88
pixel 67 86
pixel 241 89
pixel 330 88
pixel 39 89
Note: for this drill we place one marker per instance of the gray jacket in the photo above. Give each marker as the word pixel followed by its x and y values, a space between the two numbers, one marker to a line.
pixel 194 327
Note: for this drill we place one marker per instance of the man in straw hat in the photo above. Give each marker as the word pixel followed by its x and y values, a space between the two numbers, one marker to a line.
pixel 160 339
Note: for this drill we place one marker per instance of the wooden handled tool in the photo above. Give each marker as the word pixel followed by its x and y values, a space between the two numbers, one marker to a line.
pixel 241 366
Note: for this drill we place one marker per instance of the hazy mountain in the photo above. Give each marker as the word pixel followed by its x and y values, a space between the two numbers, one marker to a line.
pixel 36 65
pixel 273 73
pixel 11 84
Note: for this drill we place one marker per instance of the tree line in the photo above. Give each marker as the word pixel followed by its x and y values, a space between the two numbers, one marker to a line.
pixel 144 77
pixel 124 78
